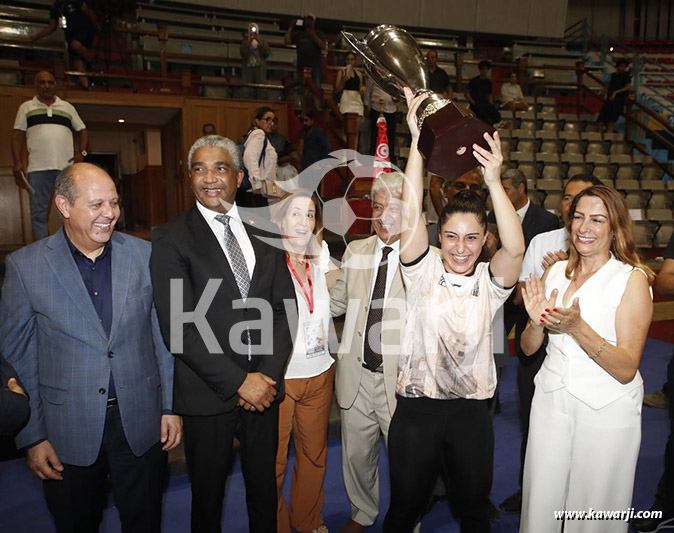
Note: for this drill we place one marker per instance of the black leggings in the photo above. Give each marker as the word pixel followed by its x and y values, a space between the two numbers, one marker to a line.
pixel 427 435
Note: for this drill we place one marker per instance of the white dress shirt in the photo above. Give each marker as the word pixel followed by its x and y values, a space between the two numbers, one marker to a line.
pixel 236 224
pixel 522 211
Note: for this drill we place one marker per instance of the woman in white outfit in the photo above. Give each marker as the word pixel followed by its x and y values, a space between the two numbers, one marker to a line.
pixel 586 414
pixel 309 377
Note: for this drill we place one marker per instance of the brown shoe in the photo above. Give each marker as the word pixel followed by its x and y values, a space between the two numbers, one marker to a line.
pixel 657 399
pixel 352 527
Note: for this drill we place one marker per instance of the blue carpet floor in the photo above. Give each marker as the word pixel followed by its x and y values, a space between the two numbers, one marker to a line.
pixel 22 507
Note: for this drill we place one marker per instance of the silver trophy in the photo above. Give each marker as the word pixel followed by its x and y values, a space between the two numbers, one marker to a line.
pixel 394 60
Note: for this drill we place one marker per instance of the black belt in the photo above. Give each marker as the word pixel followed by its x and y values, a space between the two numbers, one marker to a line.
pixel 112 401
pixel 379 370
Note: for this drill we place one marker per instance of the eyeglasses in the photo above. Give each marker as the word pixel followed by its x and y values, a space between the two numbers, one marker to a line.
pixel 273 120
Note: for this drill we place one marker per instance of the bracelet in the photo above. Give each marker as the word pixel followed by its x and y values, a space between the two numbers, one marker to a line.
pixel 600 350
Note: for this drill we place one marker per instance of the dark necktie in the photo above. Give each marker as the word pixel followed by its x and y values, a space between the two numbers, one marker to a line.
pixel 238 264
pixel 372 357
pixel 236 259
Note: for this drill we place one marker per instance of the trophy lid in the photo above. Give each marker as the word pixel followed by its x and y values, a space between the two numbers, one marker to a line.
pixel 392 58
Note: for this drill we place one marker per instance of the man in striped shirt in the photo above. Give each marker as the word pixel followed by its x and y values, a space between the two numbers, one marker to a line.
pixel 56 137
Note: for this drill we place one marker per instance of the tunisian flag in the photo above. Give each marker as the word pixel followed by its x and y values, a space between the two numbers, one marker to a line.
pixel 382 161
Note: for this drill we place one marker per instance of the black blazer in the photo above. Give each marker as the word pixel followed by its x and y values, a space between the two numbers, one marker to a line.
pixel 187 250
pixel 536 220
pixel 14 408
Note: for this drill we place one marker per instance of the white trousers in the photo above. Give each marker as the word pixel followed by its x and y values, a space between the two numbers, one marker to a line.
pixel 579 459
pixel 361 426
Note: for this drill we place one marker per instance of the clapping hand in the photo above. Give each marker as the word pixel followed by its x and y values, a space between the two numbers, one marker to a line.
pixel 564 319
pixel 535 302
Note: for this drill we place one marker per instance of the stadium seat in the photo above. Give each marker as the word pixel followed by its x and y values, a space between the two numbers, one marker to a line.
pixel 595 142
pixel 548 142
pixel 651 172
pixel 660 215
pixel 643 233
pixel 663 235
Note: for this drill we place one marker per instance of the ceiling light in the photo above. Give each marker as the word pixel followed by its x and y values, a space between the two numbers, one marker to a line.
pixel 120 120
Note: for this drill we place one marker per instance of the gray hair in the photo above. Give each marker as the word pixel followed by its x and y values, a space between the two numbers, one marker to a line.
pixel 216 141
pixel 391 182
pixel 65 184
pixel 517 177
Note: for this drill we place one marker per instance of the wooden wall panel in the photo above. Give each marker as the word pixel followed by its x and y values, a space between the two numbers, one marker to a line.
pixel 11 227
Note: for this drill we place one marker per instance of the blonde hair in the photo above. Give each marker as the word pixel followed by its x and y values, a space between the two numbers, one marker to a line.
pixel 622 246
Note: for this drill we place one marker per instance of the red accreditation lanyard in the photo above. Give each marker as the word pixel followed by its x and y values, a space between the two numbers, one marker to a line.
pixel 310 299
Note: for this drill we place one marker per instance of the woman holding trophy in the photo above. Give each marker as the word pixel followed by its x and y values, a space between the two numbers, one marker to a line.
pixel 446 369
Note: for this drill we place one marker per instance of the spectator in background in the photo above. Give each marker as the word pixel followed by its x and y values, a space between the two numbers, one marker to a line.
pixel 441 191
pixel 14 408
pixel 285 151
pixel 208 129
pixel 350 82
pixel 511 95
pixel 259 156
pixel 437 77
pixel 310 44
pixel 375 98
pixel 315 145
pixel 254 54
pixel 55 135
pixel 80 24
pixel 479 94
pixel 616 95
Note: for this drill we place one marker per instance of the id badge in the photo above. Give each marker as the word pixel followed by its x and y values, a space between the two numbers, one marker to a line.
pixel 314 338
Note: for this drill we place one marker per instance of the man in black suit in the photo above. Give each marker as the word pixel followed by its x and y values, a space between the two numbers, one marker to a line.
pixel 535 220
pixel 14 408
pixel 221 295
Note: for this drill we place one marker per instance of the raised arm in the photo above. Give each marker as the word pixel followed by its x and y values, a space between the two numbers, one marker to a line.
pixel 414 237
pixel 506 263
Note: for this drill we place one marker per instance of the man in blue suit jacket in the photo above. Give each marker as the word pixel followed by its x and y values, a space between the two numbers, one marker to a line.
pixel 78 324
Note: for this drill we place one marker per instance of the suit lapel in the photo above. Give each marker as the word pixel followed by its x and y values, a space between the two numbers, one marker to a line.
pixel 121 278
pixel 65 270
pixel 204 235
pixel 528 224
pixel 366 267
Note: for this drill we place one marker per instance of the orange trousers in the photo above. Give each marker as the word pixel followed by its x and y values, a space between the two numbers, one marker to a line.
pixel 305 410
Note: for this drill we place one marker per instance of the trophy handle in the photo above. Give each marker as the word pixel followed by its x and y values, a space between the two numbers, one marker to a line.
pixel 379 75
pixel 359 47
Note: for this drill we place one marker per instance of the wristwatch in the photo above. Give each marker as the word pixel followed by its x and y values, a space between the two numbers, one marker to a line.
pixel 84 153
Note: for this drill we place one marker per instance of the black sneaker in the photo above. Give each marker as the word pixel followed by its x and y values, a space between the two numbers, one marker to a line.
pixel 512 504
pixel 651 525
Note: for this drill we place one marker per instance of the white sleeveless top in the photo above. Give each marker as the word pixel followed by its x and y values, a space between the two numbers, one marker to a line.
pixel 567 365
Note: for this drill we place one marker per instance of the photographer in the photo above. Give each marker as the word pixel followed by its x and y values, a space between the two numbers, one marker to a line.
pixel 254 54
pixel 309 43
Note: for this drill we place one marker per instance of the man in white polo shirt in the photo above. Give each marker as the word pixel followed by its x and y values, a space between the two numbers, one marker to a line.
pixel 544 250
pixel 56 137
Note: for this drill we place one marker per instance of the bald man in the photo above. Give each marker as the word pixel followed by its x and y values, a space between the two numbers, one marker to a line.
pixel 56 137
pixel 78 324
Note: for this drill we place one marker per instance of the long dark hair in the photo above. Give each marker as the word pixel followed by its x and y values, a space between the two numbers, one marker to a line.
pixel 471 203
